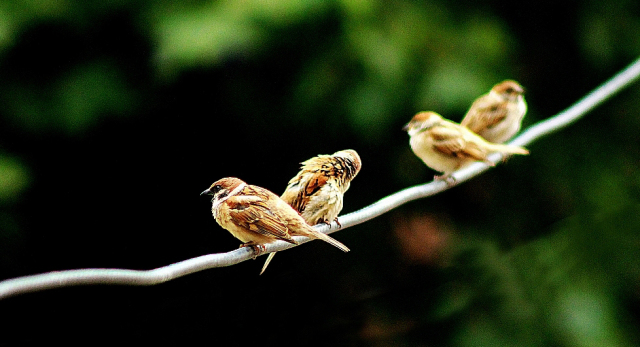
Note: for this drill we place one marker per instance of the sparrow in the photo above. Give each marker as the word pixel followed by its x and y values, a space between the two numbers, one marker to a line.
pixel 446 146
pixel 317 191
pixel 497 115
pixel 256 216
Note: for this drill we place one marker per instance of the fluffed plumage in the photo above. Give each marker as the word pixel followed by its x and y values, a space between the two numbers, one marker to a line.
pixel 317 190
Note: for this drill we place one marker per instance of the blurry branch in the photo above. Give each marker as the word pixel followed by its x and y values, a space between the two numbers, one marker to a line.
pixel 58 279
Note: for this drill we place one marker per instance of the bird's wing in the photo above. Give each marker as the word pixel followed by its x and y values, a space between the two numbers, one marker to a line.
pixel 302 187
pixel 316 181
pixel 473 150
pixel 485 113
pixel 446 140
pixel 253 213
pixel 450 141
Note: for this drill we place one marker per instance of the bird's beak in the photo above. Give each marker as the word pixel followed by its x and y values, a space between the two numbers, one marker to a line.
pixel 406 127
pixel 206 192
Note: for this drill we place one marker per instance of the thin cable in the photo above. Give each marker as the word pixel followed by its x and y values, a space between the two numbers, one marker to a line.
pixel 57 279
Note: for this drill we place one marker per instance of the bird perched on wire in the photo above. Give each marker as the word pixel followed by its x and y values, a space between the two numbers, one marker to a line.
pixel 497 115
pixel 446 146
pixel 256 216
pixel 317 191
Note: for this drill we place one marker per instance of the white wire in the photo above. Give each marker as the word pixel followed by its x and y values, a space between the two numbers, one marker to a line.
pixel 56 279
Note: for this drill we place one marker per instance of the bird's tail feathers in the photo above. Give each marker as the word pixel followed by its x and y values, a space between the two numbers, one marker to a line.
pixel 315 235
pixel 326 238
pixel 511 149
pixel 266 262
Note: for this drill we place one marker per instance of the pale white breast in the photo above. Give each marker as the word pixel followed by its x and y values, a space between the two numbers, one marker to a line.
pixel 325 204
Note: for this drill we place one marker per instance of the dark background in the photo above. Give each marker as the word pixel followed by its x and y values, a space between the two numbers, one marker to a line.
pixel 114 117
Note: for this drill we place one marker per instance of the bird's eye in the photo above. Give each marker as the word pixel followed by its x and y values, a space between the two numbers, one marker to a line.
pixel 216 189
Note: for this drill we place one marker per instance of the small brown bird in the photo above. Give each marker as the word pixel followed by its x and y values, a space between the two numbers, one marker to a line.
pixel 497 115
pixel 446 146
pixel 256 216
pixel 317 191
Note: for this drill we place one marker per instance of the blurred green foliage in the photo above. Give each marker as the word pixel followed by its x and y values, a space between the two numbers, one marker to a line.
pixel 74 102
pixel 114 115
pixel 14 177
